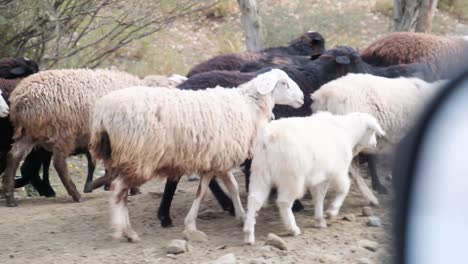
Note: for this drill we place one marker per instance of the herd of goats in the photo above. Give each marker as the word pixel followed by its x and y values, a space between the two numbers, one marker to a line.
pixel 295 118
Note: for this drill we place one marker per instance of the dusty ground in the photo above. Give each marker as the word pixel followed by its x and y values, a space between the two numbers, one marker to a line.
pixel 56 230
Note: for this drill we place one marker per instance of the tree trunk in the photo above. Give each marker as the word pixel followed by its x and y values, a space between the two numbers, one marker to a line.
pixel 251 22
pixel 413 15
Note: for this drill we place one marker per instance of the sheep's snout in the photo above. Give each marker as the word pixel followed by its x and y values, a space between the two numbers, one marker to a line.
pixel 4 109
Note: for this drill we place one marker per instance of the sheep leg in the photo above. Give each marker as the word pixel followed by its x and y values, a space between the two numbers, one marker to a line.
pixel 257 197
pixel 247 168
pixel 89 178
pixel 120 220
pixel 18 151
pixel 376 184
pixel 285 201
pixel 318 193
pixel 366 192
pixel 60 166
pixel 342 188
pixel 191 231
pixel 99 182
pixel 164 215
pixel 221 197
pixel 31 167
pixel 231 184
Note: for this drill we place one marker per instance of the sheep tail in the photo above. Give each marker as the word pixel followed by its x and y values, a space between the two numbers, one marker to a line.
pixel 101 146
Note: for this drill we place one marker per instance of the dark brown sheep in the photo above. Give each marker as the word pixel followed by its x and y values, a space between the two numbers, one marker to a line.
pixel 308 44
pixel 445 56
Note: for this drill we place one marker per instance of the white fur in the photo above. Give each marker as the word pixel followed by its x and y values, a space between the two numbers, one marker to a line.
pixel 169 131
pixel 465 38
pixel 4 109
pixel 394 102
pixel 295 154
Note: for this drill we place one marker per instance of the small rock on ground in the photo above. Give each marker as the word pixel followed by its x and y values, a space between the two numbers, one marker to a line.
pixel 349 217
pixel 276 241
pixel 193 177
pixel 177 246
pixel 226 259
pixel 364 261
pixel 367 211
pixel 373 221
pixel 369 245
pixel 256 261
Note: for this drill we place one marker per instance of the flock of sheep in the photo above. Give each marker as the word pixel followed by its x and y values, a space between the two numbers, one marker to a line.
pixel 299 117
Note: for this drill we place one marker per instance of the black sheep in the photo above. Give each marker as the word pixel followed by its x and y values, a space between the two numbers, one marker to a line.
pixel 13 68
pixel 308 44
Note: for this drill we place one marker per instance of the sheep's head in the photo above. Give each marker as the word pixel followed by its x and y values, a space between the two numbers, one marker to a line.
pixel 4 109
pixel 282 88
pixel 12 68
pixel 342 60
pixel 310 43
pixel 371 132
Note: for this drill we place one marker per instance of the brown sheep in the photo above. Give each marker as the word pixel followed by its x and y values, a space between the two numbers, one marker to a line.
pixel 445 56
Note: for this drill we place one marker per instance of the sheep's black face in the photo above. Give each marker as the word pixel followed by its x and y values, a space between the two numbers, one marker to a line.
pixel 310 43
pixel 344 60
pixel 12 68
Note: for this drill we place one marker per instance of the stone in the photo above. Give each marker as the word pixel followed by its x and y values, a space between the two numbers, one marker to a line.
pixel 373 221
pixel 276 241
pixel 226 259
pixel 367 211
pixel 195 236
pixel 349 217
pixel 257 261
pixel 177 246
pixel 193 177
pixel 369 245
pixel 364 261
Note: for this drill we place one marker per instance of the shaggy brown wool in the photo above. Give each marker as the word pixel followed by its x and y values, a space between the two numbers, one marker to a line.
pixel 52 109
pixel 445 56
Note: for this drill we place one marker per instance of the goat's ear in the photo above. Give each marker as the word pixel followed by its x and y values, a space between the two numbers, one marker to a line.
pixel 17 71
pixel 342 60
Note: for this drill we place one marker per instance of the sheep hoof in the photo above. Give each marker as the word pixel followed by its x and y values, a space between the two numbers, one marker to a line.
pixel 166 222
pixel 295 231
pixel 77 198
pixel 88 188
pixel 195 236
pixel 249 238
pixel 320 223
pixel 10 201
pixel 132 236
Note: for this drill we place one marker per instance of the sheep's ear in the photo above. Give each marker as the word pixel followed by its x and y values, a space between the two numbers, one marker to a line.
pixel 377 128
pixel 265 84
pixel 17 71
pixel 342 60
pixel 315 56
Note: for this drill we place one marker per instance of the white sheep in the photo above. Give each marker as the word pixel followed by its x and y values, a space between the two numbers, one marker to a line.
pixel 4 109
pixel 142 133
pixel 163 81
pixel 394 102
pixel 295 154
